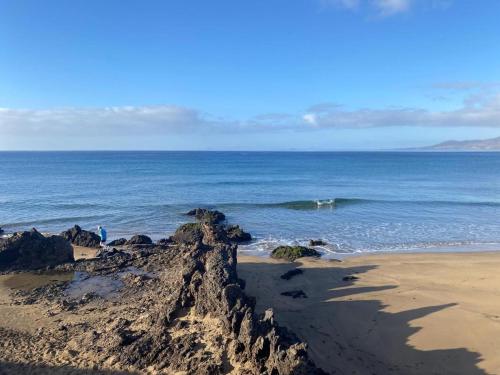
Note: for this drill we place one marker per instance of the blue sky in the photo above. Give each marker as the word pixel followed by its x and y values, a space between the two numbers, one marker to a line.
pixel 252 75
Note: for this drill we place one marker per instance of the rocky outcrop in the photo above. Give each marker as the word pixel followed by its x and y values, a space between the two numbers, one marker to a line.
pixel 164 242
pixel 180 310
pixel 237 235
pixel 139 239
pixel 1 231
pixel 31 250
pixel 207 216
pixel 118 242
pixel 292 273
pixel 292 253
pixel 79 237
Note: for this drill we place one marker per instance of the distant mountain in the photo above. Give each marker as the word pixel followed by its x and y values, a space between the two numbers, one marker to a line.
pixel 492 144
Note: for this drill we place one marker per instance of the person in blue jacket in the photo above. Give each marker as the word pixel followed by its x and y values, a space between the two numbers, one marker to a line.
pixel 102 233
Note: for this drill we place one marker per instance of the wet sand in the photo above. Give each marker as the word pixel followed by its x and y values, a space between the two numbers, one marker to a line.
pixel 406 314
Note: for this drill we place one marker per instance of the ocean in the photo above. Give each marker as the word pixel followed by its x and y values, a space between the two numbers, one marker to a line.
pixel 355 201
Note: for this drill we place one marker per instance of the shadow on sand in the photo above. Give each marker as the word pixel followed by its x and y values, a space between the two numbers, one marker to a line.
pixel 11 368
pixel 347 336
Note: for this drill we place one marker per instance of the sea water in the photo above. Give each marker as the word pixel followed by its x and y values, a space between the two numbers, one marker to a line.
pixel 355 201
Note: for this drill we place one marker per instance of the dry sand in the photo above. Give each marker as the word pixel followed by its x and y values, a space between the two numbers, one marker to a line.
pixel 406 314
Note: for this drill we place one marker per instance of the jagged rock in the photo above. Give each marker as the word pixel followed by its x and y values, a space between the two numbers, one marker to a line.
pixel 292 253
pixel 295 294
pixel 236 234
pixel 79 237
pixel 164 242
pixel 190 233
pixel 188 314
pixel 118 242
pixel 317 243
pixel 289 274
pixel 33 250
pixel 207 216
pixel 139 239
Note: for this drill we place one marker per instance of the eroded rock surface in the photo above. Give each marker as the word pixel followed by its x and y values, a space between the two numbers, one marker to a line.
pixel 170 310
pixel 80 237
pixel 33 250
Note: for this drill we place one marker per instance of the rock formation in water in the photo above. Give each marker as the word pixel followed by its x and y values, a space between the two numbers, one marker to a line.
pixel 207 216
pixel 33 250
pixel 79 237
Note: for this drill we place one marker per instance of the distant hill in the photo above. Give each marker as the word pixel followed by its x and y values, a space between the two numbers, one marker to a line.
pixel 492 144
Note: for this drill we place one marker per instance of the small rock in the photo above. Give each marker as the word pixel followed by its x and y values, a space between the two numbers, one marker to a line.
pixel 292 253
pixel 288 275
pixel 295 294
pixel 139 239
pixel 207 216
pixel 317 243
pixel 118 242
pixel 350 278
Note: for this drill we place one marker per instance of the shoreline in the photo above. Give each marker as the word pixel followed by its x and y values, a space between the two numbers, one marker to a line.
pixel 368 313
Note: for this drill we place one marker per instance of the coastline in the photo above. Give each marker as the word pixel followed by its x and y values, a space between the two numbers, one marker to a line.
pixel 411 313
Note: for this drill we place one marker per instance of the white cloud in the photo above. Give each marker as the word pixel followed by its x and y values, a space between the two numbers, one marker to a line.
pixel 390 7
pixel 479 109
pixel 349 4
pixel 386 8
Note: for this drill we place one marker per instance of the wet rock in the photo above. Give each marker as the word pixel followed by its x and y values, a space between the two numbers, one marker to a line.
pixel 164 242
pixel 288 275
pixel 139 239
pixel 238 235
pixel 34 250
pixel 79 237
pixel 295 294
pixel 207 216
pixel 292 253
pixel 118 242
pixel 317 243
pixel 190 233
pixel 108 253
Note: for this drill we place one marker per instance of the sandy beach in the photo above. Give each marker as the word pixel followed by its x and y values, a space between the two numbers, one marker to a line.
pixel 406 314
pixel 422 313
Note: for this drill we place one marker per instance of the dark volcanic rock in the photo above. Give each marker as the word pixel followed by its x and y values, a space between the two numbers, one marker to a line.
pixel 139 239
pixel 118 242
pixel 190 233
pixel 293 252
pixel 207 216
pixel 295 294
pixel 289 274
pixel 33 250
pixel 179 311
pixel 236 234
pixel 350 278
pixel 164 242
pixel 317 243
pixel 79 237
